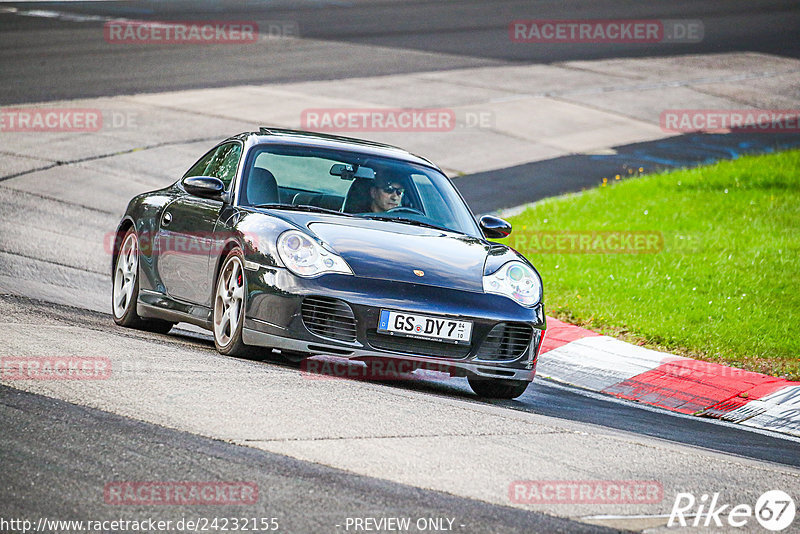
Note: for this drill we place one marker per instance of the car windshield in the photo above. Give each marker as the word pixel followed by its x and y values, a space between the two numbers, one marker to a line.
pixel 355 185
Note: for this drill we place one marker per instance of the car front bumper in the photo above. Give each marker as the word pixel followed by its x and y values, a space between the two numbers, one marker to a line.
pixel 275 318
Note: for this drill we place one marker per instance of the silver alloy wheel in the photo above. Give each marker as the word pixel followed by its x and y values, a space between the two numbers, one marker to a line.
pixel 228 301
pixel 125 275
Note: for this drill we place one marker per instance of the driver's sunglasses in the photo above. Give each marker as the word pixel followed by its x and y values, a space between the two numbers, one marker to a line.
pixel 389 190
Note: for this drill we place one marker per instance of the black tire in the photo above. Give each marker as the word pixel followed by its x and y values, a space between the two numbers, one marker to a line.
pixel 229 341
pixel 497 388
pixel 123 302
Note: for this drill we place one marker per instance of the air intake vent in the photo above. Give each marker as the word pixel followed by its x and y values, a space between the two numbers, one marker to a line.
pixel 506 341
pixel 330 318
pixel 410 345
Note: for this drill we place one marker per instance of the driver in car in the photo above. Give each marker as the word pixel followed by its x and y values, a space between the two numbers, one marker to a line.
pixel 386 193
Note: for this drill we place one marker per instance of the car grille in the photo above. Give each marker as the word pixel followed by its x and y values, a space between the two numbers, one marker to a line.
pixel 506 341
pixel 330 318
pixel 422 347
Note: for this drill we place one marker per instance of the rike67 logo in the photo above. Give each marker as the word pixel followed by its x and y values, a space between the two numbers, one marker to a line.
pixel 774 510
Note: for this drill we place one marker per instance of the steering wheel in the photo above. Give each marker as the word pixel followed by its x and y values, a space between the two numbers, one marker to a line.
pixel 405 209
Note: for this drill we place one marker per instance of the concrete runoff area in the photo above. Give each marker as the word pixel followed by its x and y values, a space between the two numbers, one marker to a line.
pixel 78 184
pixel 504 116
pixel 62 193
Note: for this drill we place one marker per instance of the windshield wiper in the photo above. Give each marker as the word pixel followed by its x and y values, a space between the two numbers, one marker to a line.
pixel 406 220
pixel 302 207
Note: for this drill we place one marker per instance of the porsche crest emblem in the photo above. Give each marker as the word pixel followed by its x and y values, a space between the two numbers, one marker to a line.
pixel 419 272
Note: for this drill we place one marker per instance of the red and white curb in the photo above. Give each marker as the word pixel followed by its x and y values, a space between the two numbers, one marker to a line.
pixel 583 358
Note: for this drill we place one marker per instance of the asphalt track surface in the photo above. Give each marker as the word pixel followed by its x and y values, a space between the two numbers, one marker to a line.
pixel 542 397
pixel 63 454
pixel 496 190
pixel 54 59
pixel 302 496
pixel 58 58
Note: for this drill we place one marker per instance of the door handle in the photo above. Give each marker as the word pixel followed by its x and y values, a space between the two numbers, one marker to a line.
pixel 166 219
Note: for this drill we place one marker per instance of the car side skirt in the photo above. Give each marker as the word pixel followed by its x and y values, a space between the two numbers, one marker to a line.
pixel 154 305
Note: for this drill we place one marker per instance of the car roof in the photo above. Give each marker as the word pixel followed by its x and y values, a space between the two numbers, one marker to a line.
pixel 268 135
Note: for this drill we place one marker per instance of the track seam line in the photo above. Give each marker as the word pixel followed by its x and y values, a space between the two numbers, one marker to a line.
pixel 59 201
pixel 109 155
pixel 51 262
pixel 399 436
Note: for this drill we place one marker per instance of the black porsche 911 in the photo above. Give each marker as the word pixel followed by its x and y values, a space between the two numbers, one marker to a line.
pixel 316 244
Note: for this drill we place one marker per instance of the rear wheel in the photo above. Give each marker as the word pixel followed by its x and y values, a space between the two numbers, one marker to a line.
pixel 125 289
pixel 229 303
pixel 497 388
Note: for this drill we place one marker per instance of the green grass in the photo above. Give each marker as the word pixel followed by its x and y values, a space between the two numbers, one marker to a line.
pixel 726 286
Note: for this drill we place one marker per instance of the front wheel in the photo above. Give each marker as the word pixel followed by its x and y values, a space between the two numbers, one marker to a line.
pixel 497 388
pixel 229 303
pixel 125 289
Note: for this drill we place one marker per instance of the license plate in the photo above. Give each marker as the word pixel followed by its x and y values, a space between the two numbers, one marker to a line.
pixel 425 327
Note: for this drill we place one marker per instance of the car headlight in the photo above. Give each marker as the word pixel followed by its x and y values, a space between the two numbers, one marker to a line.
pixel 516 281
pixel 305 257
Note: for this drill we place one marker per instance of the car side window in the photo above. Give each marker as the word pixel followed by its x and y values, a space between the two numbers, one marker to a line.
pixel 220 163
pixel 433 204
pixel 199 168
pixel 224 163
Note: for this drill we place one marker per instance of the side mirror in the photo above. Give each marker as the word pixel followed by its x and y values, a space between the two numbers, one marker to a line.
pixel 204 186
pixel 495 227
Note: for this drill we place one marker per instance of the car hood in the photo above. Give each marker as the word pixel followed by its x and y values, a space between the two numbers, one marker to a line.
pixel 393 251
